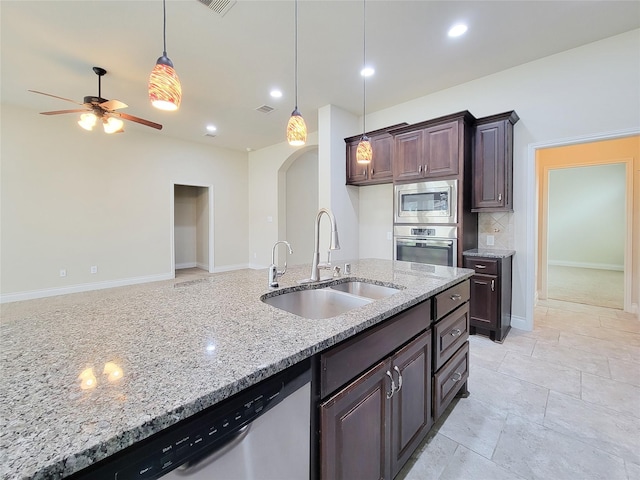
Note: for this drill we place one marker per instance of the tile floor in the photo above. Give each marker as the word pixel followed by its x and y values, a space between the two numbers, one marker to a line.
pixel 559 403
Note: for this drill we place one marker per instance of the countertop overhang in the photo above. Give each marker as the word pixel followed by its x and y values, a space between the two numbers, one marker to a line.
pixel 180 348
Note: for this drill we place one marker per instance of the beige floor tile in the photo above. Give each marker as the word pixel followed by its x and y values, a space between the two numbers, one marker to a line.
pixel 625 371
pixel 570 357
pixel 485 353
pixel 598 346
pixel 536 452
pixel 467 464
pixel 631 325
pixel 633 471
pixel 519 343
pixel 540 334
pixel 567 320
pixel 612 432
pixel 430 460
pixel 618 396
pixel 474 424
pixel 546 374
pixel 624 338
pixel 507 393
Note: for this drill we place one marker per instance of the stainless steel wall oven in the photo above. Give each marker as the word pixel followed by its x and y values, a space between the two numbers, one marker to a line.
pixel 437 245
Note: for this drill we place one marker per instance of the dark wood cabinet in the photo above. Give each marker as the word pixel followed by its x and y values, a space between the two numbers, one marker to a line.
pixel 381 416
pixel 490 302
pixel 380 170
pixel 431 149
pixel 493 163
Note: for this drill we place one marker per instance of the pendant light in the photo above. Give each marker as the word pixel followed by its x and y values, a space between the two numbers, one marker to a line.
pixel 165 91
pixel 296 128
pixel 364 152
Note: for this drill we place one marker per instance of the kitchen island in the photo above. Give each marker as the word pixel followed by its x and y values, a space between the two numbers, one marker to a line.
pixel 87 375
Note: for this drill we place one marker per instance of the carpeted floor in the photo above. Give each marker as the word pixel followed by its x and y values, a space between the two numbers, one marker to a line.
pixel 590 286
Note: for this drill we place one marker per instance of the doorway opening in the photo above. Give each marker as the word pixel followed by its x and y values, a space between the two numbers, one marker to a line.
pixel 192 249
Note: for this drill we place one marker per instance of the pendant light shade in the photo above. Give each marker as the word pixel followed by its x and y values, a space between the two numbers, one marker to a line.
pixel 364 152
pixel 296 127
pixel 165 91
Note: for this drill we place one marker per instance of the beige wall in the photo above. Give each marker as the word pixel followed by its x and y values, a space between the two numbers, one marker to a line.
pixel 72 199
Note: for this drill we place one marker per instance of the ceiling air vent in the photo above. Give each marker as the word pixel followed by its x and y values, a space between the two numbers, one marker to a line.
pixel 221 7
pixel 265 109
pixel 212 135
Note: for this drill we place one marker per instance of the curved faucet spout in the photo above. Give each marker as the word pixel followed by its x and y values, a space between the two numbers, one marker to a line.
pixel 333 245
pixel 274 273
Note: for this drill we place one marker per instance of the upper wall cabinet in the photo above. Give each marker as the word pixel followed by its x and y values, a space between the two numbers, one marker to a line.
pixel 380 170
pixel 431 149
pixel 493 163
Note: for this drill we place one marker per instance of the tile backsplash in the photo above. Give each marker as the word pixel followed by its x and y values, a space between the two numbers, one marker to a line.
pixel 496 224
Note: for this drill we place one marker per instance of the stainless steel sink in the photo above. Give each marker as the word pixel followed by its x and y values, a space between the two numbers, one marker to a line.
pixel 364 289
pixel 316 304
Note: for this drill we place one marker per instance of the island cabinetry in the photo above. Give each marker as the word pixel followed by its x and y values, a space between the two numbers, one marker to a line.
pixel 490 304
pixel 431 149
pixel 493 163
pixel 451 348
pixel 380 170
pixel 370 427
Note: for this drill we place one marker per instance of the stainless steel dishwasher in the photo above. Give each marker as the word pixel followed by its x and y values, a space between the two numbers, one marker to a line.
pixel 261 433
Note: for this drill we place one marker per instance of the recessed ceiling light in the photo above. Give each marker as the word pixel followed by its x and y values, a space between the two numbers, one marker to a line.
pixel 275 93
pixel 367 71
pixel 457 30
pixel 211 128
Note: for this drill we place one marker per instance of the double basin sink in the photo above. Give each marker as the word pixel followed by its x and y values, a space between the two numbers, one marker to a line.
pixel 329 301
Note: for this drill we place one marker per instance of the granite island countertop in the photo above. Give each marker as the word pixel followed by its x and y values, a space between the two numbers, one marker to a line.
pixel 176 349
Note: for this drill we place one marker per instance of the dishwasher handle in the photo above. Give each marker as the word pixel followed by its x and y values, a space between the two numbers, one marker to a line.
pixel 209 456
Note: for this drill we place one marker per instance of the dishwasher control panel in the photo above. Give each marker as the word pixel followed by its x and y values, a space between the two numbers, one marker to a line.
pixel 199 435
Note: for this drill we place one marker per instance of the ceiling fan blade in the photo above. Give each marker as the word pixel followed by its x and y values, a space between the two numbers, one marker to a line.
pixel 139 120
pixel 55 96
pixel 58 112
pixel 113 105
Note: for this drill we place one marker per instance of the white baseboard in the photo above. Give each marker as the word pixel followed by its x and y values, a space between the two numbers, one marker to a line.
pixel 181 266
pixel 228 268
pixel 597 266
pixel 257 266
pixel 202 266
pixel 520 323
pixel 85 287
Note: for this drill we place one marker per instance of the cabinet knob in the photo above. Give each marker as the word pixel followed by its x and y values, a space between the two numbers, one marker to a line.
pixel 456 377
pixel 456 332
pixel 393 385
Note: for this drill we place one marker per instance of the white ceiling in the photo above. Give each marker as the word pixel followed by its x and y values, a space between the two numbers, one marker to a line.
pixel 228 64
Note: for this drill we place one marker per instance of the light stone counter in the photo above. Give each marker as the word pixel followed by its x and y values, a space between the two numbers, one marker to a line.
pixel 181 348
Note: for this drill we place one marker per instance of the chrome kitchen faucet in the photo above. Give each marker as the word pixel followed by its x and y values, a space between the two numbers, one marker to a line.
pixel 334 245
pixel 274 274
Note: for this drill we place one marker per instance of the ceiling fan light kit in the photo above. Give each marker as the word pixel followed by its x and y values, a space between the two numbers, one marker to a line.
pixel 165 91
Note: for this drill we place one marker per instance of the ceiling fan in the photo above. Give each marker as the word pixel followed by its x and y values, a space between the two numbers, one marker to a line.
pixel 98 108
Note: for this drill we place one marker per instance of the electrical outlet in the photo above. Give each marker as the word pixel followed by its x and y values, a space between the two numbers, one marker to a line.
pixel 63 272
pixel 490 240
pixel 94 269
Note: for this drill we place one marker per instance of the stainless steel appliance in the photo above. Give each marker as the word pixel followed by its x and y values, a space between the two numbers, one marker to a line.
pixel 261 433
pixel 426 202
pixel 434 244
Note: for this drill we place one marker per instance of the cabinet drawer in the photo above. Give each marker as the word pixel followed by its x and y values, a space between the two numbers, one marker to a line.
pixel 351 358
pixel 449 334
pixel 451 299
pixel 448 381
pixel 482 265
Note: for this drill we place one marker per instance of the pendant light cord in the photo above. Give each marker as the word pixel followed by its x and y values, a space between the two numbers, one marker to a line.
pixel 296 52
pixel 164 27
pixel 364 64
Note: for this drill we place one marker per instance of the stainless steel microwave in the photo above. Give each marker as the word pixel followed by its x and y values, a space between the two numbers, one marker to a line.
pixel 426 202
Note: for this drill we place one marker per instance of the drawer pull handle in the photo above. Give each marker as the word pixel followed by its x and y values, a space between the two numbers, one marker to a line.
pixel 456 377
pixel 393 385
pixel 372 171
pixel 493 285
pixel 499 197
pixel 399 378
pixel 481 266
pixel 456 332
pixel 456 296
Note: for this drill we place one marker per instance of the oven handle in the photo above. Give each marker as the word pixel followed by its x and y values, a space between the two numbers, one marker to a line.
pixel 424 241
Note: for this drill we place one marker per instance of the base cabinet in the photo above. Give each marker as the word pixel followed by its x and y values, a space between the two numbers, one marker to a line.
pixel 381 416
pixel 490 302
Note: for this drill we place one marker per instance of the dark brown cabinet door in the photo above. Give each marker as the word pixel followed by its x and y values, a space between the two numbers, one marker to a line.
pixel 483 309
pixel 411 403
pixel 354 436
pixel 381 168
pixel 493 163
pixel 441 150
pixel 408 156
pixel 356 173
